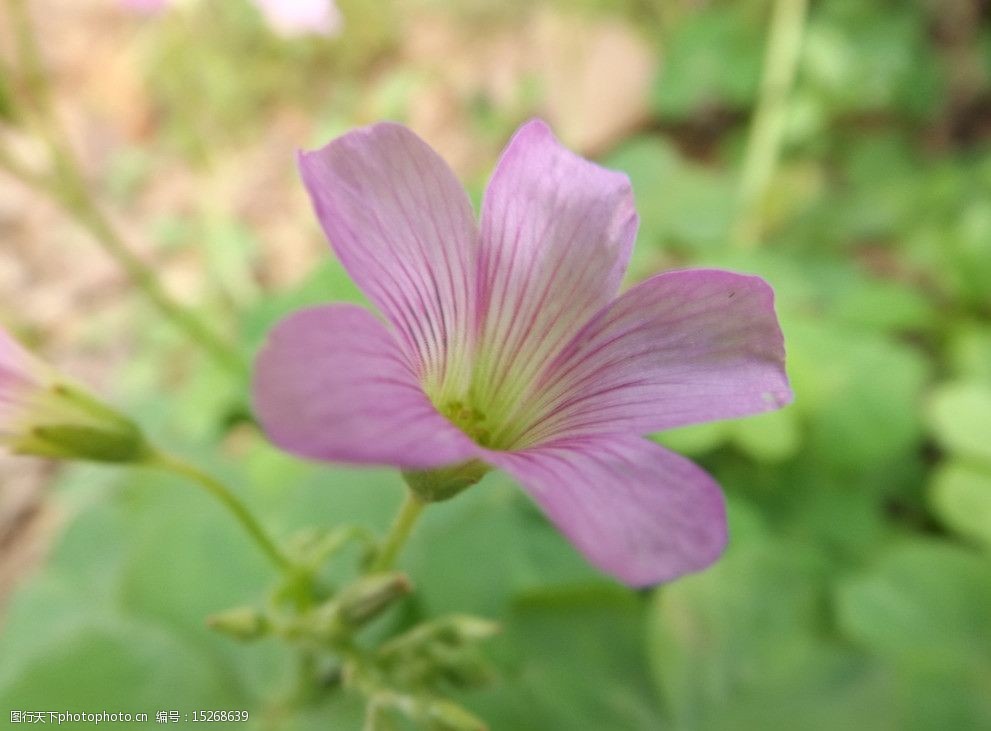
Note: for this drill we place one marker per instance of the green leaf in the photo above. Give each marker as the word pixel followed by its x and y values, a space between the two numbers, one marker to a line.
pixel 696 439
pixel 573 660
pixel 476 552
pixel 770 437
pixel 922 610
pixel 869 57
pixel 742 645
pixel 712 58
pixel 924 603
pixel 883 306
pixel 681 204
pixel 328 283
pixel 859 392
pixel 112 663
pixel 961 496
pixel 960 417
pixel 969 351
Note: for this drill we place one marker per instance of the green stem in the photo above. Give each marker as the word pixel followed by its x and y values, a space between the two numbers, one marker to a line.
pixel 398 533
pixel 75 198
pixel 15 169
pixel 69 188
pixel 767 129
pixel 29 56
pixel 230 501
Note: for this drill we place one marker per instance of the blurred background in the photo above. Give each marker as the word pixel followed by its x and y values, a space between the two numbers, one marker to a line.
pixel 852 170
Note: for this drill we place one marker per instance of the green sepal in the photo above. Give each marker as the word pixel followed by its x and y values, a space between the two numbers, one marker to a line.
pixel 432 486
pixel 85 443
pixel 71 424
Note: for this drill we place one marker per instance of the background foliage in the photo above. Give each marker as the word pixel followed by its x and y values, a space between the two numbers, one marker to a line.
pixel 856 592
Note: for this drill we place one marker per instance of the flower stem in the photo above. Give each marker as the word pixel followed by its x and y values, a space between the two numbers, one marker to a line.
pixel 213 486
pixel 767 129
pixel 401 528
pixel 68 187
pixel 75 199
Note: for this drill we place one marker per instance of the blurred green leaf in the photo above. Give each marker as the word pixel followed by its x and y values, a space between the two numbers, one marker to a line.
pixel 113 664
pixel 922 610
pixel 711 58
pixel 961 496
pixel 884 306
pixel 969 351
pixel 681 204
pixel 742 645
pixel 477 552
pixel 960 417
pixel 858 391
pixel 770 437
pixel 562 675
pixel 328 283
pixel 865 57
pixel 925 603
pixel 696 439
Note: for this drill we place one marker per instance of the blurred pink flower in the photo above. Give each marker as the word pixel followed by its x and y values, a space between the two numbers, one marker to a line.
pixel 301 17
pixel 286 17
pixel 147 7
pixel 506 344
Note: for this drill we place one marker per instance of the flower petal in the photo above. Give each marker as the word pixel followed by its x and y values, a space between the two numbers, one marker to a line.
pixel 634 509
pixel 331 383
pixel 301 17
pixel 680 348
pixel 402 226
pixel 557 232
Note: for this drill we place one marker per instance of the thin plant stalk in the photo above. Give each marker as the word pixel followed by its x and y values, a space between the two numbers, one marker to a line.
pixel 767 129
pixel 68 187
pixel 398 533
pixel 230 501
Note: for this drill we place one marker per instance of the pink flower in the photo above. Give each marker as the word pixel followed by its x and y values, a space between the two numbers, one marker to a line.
pixel 301 17
pixel 285 17
pixel 146 7
pixel 506 344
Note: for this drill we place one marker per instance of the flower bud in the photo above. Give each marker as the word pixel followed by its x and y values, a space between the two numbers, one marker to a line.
pixel 455 631
pixel 42 414
pixel 440 652
pixel 370 596
pixel 243 623
pixel 446 716
pixel 354 606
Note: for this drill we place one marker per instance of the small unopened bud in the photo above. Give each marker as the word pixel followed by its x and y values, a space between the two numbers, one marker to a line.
pixel 370 596
pixel 463 628
pixel 446 716
pixel 42 414
pixel 442 650
pixel 243 623
pixel 455 631
pixel 355 605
